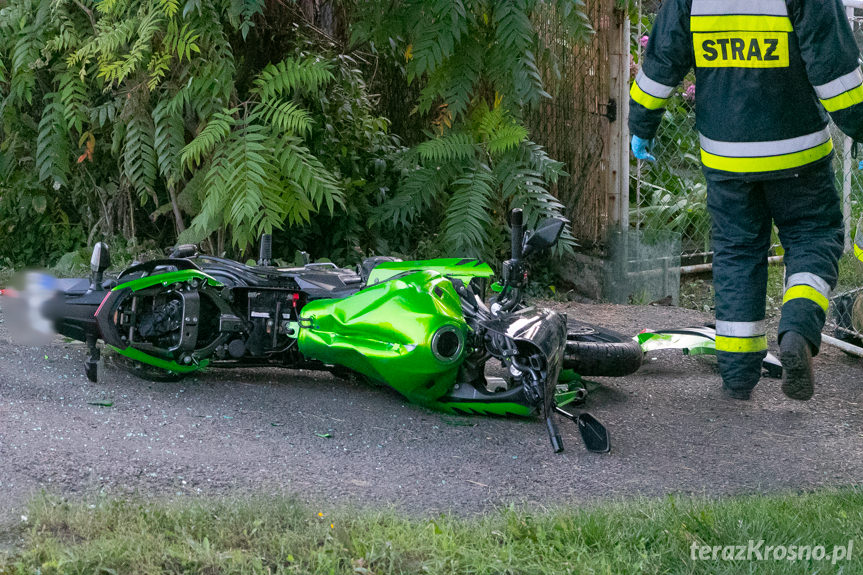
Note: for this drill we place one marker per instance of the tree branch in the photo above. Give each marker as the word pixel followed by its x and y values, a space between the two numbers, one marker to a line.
pixel 87 11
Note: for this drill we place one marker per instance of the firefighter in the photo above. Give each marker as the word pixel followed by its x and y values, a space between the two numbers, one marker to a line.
pixel 858 240
pixel 767 73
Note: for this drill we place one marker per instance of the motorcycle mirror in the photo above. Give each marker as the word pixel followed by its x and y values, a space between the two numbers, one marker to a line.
pixel 101 258
pixel 99 262
pixel 546 235
pixel 593 433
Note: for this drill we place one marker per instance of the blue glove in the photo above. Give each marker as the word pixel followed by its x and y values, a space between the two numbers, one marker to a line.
pixel 860 165
pixel 639 149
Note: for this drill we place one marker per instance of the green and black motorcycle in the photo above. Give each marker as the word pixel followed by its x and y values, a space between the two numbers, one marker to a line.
pixel 424 328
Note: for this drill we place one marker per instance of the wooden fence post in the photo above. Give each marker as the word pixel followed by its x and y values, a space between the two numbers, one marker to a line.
pixel 618 137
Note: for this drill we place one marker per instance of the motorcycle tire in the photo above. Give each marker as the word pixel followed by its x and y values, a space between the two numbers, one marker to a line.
pixel 597 351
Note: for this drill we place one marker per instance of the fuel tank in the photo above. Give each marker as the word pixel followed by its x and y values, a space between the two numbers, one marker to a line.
pixel 408 332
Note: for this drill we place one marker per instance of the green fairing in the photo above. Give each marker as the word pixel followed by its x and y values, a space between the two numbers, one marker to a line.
pixel 385 332
pixel 462 269
pixel 163 279
pixel 167 278
pixel 165 364
pixel 488 408
pixel 565 397
pixel 693 344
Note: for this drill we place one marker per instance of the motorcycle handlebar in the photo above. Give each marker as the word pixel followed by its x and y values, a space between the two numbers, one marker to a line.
pixel 517 223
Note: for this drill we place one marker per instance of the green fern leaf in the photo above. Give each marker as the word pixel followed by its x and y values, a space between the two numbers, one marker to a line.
pixel 242 187
pixel 111 7
pixel 139 155
pixel 513 29
pixel 74 98
pixel 284 117
pixel 183 41
pixel 306 173
pixel 289 76
pixel 105 114
pixel 538 159
pixel 468 216
pixel 419 190
pixel 52 144
pixel 441 24
pixel 215 132
pixel 245 10
pixel 455 81
pixel 25 53
pixel 169 140
pixel 500 131
pixel 170 7
pixel 449 148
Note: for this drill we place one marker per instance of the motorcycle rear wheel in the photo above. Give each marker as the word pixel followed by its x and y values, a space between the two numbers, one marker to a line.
pixel 597 351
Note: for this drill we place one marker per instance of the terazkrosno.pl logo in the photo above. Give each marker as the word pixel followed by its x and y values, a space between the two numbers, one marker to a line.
pixel 760 551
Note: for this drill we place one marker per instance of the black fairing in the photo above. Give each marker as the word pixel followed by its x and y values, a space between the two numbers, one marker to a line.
pixel 316 280
pixel 543 328
pixel 72 309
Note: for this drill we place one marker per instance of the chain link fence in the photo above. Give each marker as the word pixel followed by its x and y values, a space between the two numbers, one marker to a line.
pixel 671 195
pixel 846 313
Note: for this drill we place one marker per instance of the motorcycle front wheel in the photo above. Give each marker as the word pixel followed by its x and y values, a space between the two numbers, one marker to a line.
pixel 597 351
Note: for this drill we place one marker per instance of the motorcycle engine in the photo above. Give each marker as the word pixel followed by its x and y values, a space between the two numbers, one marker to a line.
pixel 160 326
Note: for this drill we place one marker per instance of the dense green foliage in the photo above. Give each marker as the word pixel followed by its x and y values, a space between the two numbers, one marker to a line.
pixel 219 120
pixel 277 535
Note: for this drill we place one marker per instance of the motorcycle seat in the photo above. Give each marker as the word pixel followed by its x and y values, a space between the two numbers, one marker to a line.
pixel 73 286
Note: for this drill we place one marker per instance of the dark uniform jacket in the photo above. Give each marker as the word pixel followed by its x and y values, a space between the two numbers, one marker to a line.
pixel 767 72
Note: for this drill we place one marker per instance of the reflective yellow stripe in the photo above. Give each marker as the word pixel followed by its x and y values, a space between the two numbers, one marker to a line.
pixel 806 292
pixel 645 99
pixel 744 23
pixel 844 100
pixel 858 252
pixel 741 344
pixel 768 163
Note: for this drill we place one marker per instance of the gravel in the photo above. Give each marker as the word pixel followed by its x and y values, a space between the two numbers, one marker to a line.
pixel 332 441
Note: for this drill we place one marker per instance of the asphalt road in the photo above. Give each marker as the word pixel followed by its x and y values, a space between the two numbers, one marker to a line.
pixel 329 440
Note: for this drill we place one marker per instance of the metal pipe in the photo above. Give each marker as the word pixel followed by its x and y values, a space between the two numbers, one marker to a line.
pixel 703 268
pixel 843 345
pixel 846 192
pixel 846 158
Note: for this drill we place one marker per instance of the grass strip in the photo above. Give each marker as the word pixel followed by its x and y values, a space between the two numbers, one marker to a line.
pixel 269 535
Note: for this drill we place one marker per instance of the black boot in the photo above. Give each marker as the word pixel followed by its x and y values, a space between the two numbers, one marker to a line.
pixel 796 355
pixel 731 393
pixel 740 372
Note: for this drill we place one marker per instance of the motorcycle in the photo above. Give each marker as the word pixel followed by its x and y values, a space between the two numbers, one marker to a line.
pixel 425 328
